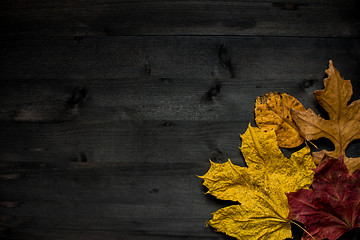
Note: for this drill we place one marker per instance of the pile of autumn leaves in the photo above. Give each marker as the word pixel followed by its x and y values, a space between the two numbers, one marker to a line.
pixel 274 191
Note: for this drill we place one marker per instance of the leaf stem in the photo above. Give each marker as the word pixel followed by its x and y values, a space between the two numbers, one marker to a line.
pixel 302 229
pixel 312 144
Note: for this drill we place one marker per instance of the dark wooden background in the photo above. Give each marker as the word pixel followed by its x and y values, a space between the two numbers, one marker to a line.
pixel 110 109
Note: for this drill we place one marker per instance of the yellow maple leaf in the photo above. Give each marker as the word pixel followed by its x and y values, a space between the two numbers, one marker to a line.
pixel 272 111
pixel 260 187
pixel 344 124
pixel 260 218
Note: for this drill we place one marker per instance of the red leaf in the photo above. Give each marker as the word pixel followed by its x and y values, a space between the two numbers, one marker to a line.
pixel 332 207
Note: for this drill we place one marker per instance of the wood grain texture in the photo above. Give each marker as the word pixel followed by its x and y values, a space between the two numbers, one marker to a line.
pixel 110 100
pixel 319 18
pixel 136 200
pixel 165 58
pixel 135 78
pixel 110 109
pixel 129 141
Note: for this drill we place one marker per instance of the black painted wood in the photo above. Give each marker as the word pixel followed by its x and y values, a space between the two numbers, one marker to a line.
pixel 132 199
pixel 255 58
pixel 122 141
pixel 110 109
pixel 320 18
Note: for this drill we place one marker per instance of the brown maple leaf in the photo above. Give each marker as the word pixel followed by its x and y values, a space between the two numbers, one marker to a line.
pixel 343 125
pixel 332 207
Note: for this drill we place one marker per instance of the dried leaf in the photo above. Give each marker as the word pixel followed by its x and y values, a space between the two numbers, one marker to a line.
pixel 344 123
pixel 272 111
pixel 260 187
pixel 261 218
pixel 332 207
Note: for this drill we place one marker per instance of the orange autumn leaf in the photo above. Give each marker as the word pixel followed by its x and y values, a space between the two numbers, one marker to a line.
pixel 343 125
pixel 272 112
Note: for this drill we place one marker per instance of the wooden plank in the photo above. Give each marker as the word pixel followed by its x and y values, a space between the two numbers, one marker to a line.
pixel 124 199
pixel 109 100
pixel 129 141
pixel 106 80
pixel 320 18
pixel 242 58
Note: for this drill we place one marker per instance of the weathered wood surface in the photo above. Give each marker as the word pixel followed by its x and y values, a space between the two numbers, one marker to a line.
pixel 113 201
pixel 136 78
pixel 241 58
pixel 110 109
pixel 122 141
pixel 320 18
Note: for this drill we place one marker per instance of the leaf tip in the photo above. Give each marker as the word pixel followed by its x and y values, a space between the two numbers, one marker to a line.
pixel 331 64
pixel 200 176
